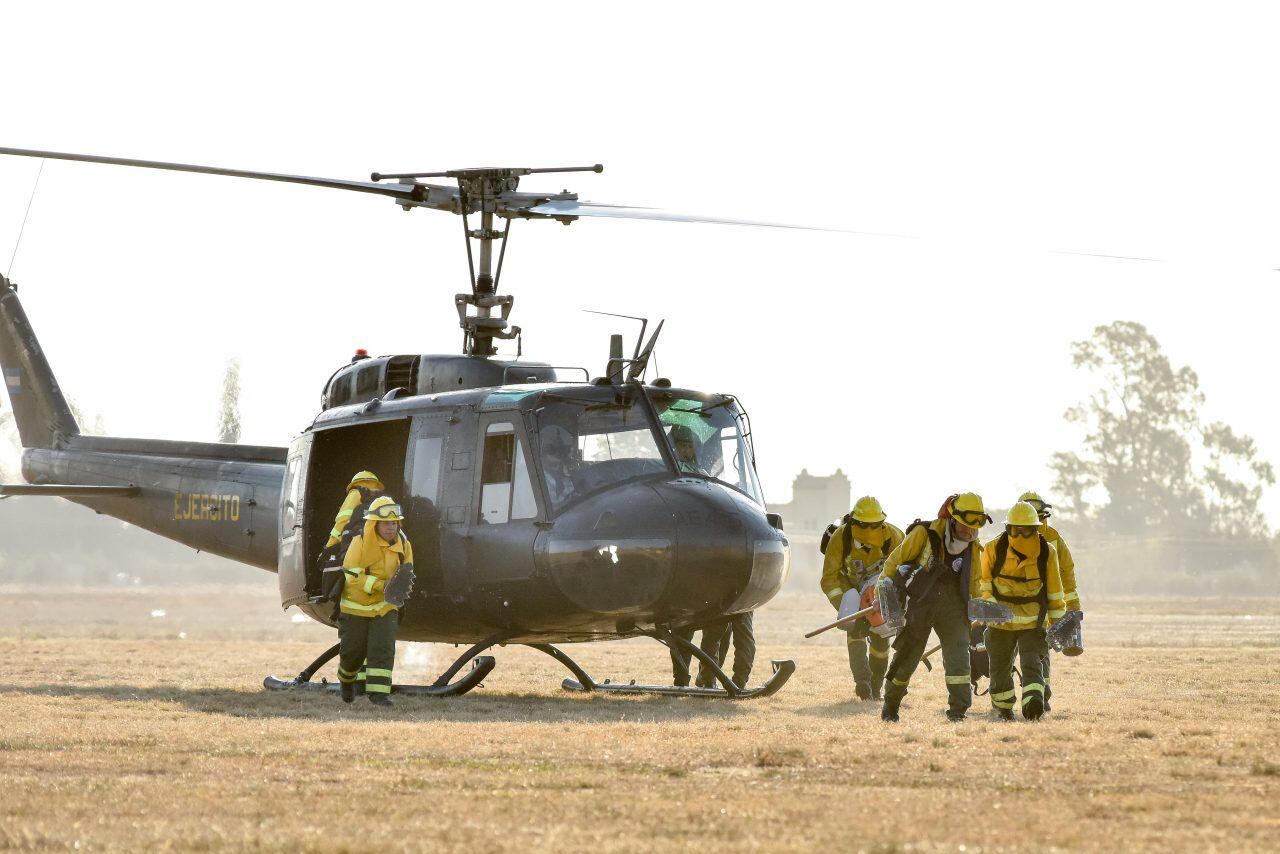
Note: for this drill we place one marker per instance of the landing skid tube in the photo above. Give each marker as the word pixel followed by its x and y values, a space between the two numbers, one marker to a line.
pixel 442 687
pixel 782 671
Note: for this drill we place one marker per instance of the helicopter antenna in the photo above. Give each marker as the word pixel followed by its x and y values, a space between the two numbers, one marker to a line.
pixel 644 324
pixel 642 360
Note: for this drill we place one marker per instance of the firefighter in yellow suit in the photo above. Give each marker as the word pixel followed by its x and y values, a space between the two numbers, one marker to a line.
pixel 855 553
pixel 1020 571
pixel 360 485
pixel 1066 568
pixel 936 564
pixel 367 623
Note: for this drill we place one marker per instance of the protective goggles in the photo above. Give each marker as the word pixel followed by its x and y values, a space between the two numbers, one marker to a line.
pixel 386 513
pixel 1023 530
pixel 1042 509
pixel 970 518
pixel 871 525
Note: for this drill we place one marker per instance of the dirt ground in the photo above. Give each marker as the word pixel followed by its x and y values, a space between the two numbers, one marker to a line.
pixel 135 718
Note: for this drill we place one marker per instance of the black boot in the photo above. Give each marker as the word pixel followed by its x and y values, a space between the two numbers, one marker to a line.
pixel 889 712
pixel 382 700
pixel 876 686
pixel 954 716
pixel 1004 714
pixel 348 692
pixel 1033 708
pixel 862 690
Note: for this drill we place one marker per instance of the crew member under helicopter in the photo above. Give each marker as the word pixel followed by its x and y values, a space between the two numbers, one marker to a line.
pixel 367 623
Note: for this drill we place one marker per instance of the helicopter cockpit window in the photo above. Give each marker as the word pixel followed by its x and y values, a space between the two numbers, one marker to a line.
pixel 340 391
pixel 367 379
pixel 709 441
pixel 506 491
pixel 292 496
pixel 587 445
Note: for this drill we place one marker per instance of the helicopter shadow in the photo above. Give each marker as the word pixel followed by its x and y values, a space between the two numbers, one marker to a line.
pixel 843 709
pixel 522 707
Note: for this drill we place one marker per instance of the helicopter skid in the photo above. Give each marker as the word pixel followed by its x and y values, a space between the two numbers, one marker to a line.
pixel 730 690
pixel 481 667
pixel 782 671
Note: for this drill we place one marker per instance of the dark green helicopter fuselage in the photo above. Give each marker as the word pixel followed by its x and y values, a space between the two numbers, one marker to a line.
pixel 549 511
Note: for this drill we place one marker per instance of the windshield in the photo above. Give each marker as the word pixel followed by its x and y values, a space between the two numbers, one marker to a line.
pixel 588 441
pixel 709 439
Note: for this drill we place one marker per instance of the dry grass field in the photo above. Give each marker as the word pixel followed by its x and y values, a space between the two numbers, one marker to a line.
pixel 125 728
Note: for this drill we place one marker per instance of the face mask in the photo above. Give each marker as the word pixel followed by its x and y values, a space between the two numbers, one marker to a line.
pixel 871 536
pixel 1026 546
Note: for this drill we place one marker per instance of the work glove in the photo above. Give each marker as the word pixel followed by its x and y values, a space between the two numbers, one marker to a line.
pixel 396 591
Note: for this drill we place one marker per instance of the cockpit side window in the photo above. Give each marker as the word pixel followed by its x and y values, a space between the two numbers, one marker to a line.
pixel 506 491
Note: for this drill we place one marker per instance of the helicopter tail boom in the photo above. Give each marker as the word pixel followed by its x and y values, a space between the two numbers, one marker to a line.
pixel 41 412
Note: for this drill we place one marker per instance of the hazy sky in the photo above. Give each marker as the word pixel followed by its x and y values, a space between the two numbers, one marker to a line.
pixel 991 136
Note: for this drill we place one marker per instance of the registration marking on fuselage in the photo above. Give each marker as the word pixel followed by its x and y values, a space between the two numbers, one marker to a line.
pixel 206 507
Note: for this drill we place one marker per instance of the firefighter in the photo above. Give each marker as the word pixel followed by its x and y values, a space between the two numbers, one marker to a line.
pixel 855 553
pixel 367 622
pixel 740 633
pixel 1067 570
pixel 363 488
pixel 1020 571
pixel 936 566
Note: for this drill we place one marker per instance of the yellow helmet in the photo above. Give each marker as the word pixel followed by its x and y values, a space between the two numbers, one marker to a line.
pixel 384 509
pixel 966 508
pixel 1034 499
pixel 868 510
pixel 1024 514
pixel 362 476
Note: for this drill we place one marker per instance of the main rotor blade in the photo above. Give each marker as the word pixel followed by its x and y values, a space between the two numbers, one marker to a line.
pixel 596 209
pixel 399 191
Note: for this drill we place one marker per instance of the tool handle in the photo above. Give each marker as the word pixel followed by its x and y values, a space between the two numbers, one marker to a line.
pixel 843 621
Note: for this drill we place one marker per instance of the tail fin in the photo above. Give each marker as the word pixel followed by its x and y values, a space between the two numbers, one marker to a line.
pixel 44 419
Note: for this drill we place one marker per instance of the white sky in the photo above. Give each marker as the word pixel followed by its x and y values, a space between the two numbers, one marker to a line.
pixel 990 134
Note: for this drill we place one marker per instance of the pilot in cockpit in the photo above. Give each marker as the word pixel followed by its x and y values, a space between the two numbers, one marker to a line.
pixel 559 459
pixel 686 446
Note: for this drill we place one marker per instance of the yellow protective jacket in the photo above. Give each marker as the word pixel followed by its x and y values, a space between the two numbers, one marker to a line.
pixel 370 563
pixel 349 504
pixel 917 548
pixel 1066 567
pixel 1015 583
pixel 843 572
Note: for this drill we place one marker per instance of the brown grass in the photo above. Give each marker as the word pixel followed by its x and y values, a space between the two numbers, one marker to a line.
pixel 119 733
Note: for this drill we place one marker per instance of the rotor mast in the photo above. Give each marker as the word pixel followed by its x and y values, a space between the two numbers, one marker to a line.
pixel 491 192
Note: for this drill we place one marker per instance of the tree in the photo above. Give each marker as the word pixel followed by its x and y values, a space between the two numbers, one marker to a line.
pixel 229 406
pixel 1141 449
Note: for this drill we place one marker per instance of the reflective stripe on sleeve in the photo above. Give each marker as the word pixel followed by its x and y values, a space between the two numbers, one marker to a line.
pixel 1055 597
pixel 1057 614
pixel 835 594
pixel 345 514
pixel 369 581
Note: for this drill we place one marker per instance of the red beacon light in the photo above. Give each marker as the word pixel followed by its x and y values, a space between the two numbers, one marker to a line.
pixel 361 353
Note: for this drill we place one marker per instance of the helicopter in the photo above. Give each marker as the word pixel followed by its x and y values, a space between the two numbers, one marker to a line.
pixel 543 510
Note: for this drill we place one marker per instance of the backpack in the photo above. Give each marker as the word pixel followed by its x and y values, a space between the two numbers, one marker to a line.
pixel 333 581
pixel 832 528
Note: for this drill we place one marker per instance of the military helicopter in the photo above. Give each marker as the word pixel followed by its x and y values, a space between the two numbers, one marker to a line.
pixel 543 510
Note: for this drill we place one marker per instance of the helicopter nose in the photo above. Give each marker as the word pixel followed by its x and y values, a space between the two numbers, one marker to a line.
pixel 612 555
pixel 729 558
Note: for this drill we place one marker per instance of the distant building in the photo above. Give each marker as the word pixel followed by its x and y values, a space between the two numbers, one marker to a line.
pixel 816 501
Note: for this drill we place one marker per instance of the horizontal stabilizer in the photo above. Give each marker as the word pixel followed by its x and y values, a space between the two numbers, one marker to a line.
pixel 67 490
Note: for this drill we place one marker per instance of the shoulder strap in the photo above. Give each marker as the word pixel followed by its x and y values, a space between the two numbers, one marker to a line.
pixel 847 539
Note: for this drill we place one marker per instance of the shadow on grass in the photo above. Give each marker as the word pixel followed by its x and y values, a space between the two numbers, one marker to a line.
pixel 843 709
pixel 476 707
